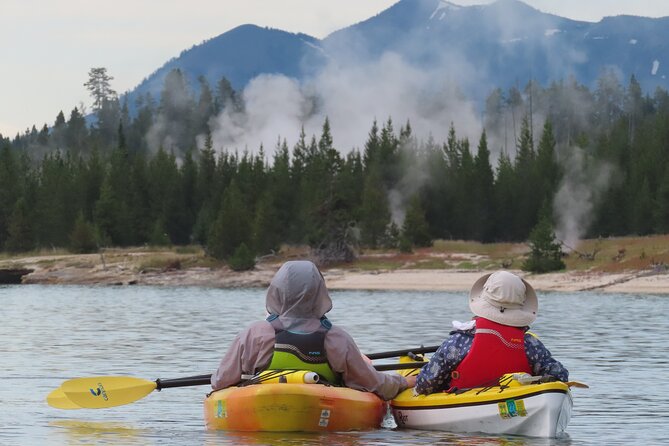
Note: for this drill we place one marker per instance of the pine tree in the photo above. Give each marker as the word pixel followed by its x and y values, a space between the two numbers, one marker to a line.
pixel 243 259
pixel 548 170
pixel 99 86
pixel 483 213
pixel 232 225
pixel 505 199
pixel 82 237
pixel 205 108
pixel 159 235
pixel 372 144
pixel 21 234
pixel 661 208
pixel 9 189
pixel 177 108
pixel 546 252
pixel 415 228
pixel 375 215
pixel 76 132
pixel 226 96
pixel 527 198
pixel 437 194
pixel 166 197
pixel 55 209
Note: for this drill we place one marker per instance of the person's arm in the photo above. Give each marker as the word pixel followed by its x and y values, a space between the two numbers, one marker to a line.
pixel 357 372
pixel 541 361
pixel 435 376
pixel 250 350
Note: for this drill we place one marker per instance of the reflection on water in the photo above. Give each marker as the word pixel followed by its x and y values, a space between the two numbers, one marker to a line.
pixel 614 343
pixel 380 437
pixel 84 432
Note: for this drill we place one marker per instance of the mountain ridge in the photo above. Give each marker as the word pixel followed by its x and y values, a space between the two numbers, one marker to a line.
pixel 506 43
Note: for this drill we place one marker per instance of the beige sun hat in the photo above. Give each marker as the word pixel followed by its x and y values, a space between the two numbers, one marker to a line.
pixel 504 298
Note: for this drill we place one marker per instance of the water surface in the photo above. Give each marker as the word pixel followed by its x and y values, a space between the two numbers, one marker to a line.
pixel 614 343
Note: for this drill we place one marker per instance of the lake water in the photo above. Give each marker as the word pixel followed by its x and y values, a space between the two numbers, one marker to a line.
pixel 615 343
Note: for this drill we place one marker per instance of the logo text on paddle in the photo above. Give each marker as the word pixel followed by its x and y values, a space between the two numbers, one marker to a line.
pixel 100 391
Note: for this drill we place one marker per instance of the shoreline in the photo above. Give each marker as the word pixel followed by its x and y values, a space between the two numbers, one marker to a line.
pixel 633 282
pixel 63 270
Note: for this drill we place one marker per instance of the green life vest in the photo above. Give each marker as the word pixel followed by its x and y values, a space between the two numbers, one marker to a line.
pixel 302 351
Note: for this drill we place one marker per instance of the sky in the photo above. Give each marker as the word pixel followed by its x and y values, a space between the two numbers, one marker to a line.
pixel 49 46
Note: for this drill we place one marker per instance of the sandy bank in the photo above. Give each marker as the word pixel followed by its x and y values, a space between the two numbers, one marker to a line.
pixel 59 271
pixel 644 282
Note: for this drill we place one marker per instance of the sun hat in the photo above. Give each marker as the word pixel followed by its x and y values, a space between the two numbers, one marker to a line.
pixel 504 298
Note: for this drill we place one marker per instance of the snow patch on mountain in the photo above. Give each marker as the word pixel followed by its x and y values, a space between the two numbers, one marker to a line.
pixel 314 46
pixel 442 8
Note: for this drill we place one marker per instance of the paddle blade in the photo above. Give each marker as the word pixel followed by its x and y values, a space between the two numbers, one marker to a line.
pixel 58 400
pixel 99 392
pixel 577 384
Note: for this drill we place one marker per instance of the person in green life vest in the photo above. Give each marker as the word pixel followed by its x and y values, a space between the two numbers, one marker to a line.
pixel 298 335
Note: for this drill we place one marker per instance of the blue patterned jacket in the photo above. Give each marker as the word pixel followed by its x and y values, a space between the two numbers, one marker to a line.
pixel 436 375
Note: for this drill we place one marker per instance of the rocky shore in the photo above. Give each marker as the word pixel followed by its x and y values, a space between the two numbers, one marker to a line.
pixel 130 268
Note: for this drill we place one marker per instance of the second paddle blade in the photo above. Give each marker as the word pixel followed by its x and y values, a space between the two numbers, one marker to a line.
pixel 99 392
pixel 58 400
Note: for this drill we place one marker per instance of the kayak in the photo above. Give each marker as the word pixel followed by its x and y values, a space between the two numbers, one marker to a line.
pixel 292 403
pixel 512 407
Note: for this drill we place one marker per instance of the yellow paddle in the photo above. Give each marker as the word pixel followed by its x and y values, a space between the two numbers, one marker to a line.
pixel 98 392
pixel 106 391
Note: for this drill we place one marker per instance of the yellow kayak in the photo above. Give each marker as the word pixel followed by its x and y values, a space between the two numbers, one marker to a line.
pixel 534 409
pixel 294 405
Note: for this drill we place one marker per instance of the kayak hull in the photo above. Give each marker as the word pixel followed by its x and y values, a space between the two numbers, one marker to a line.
pixel 286 407
pixel 534 410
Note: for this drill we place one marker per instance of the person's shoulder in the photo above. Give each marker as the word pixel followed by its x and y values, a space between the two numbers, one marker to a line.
pixel 336 332
pixel 257 327
pixel 260 323
pixel 335 329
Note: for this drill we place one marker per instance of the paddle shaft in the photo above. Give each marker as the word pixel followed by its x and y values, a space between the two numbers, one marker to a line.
pixel 198 380
pixel 203 380
pixel 405 352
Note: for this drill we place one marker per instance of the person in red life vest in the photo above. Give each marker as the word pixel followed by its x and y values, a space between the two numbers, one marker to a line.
pixel 495 342
pixel 297 335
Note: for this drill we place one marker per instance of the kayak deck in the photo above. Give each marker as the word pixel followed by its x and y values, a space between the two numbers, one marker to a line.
pixel 537 410
pixel 289 407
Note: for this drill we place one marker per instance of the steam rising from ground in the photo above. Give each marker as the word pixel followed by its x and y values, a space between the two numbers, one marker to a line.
pixel 352 97
pixel 581 188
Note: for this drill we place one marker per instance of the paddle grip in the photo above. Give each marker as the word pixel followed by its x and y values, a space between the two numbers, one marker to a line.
pixel 403 366
pixel 198 380
pixel 405 352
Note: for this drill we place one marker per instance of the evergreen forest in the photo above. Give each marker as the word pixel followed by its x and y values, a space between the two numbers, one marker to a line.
pixel 82 183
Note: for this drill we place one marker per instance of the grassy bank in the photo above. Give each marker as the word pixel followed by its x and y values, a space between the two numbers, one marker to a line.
pixel 609 255
pixel 603 255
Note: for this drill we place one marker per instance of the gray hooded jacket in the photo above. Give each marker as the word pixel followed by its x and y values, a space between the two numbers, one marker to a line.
pixel 298 295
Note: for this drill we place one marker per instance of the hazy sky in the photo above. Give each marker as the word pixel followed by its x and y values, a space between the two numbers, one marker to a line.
pixel 48 46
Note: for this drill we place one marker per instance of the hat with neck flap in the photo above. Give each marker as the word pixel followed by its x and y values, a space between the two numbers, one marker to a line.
pixel 504 298
pixel 298 295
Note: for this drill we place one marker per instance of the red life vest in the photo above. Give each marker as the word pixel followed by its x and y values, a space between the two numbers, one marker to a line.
pixel 497 349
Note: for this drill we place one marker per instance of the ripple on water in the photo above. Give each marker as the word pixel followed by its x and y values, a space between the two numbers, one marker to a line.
pixel 614 343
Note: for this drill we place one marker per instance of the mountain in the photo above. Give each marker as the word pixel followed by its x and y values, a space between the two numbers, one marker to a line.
pixel 508 42
pixel 501 44
pixel 240 55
